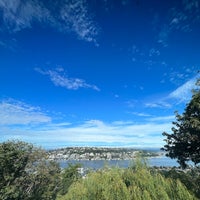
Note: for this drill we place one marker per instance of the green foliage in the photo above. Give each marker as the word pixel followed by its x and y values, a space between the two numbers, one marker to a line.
pixel 69 175
pixel 184 142
pixel 190 178
pixel 105 185
pixel 25 173
pixel 45 181
pixel 135 183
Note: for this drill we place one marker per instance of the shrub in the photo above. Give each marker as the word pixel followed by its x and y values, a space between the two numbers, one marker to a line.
pixel 135 183
pixel 25 173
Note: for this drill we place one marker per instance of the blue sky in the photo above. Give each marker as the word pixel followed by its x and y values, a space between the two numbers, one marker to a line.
pixel 95 73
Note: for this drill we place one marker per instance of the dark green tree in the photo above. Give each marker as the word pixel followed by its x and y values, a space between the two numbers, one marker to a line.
pixel 25 173
pixel 184 143
pixel 190 178
pixel 69 175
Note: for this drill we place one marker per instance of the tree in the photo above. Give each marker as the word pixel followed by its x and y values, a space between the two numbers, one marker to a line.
pixel 184 142
pixel 69 175
pixel 135 183
pixel 189 178
pixel 25 173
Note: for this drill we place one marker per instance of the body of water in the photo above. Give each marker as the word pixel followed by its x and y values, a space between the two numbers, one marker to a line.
pixel 97 164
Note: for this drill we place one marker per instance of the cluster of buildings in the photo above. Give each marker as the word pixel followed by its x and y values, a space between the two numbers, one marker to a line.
pixel 95 153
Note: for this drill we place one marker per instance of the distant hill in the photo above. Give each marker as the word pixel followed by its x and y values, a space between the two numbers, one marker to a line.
pixel 98 153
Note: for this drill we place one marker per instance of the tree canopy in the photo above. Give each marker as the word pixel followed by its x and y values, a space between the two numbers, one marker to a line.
pixel 25 173
pixel 184 143
pixel 135 183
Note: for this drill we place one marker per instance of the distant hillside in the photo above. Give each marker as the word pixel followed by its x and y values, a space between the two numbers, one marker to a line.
pixel 98 153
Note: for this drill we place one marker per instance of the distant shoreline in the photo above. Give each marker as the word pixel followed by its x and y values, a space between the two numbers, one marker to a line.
pixel 99 153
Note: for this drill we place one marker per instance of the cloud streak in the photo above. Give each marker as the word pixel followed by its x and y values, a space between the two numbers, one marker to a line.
pixel 70 16
pixel 95 132
pixel 184 92
pixel 158 104
pixel 76 15
pixel 59 78
pixel 180 95
pixel 180 18
pixel 162 118
pixel 18 15
pixel 29 123
pixel 14 112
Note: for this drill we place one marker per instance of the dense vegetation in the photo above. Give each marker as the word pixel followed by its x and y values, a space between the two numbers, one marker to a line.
pixel 135 183
pixel 26 174
pixel 190 178
pixel 184 143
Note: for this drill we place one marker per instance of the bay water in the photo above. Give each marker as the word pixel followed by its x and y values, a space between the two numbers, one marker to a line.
pixel 161 161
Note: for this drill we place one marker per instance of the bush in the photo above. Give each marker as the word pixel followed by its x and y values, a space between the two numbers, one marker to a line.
pixel 25 173
pixel 68 176
pixel 135 183
pixel 190 178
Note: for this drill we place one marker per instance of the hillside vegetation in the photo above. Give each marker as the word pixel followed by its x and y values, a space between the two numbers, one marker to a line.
pixel 135 183
pixel 26 174
pixel 97 153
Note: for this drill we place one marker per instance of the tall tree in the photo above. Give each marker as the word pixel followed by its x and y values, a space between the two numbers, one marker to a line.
pixel 25 173
pixel 184 143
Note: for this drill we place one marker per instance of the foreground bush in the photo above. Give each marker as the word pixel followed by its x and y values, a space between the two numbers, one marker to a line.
pixel 190 178
pixel 136 183
pixel 25 174
pixel 68 176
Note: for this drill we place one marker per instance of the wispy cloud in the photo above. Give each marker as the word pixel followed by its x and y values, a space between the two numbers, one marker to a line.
pixel 144 55
pixel 95 132
pixel 59 78
pixel 19 14
pixel 177 77
pixel 158 104
pixel 162 118
pixel 25 122
pixel 70 16
pixel 10 44
pixel 180 18
pixel 184 92
pixel 140 114
pixel 76 15
pixel 149 56
pixel 14 112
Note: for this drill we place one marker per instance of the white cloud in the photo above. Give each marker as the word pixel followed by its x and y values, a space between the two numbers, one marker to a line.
pixel 19 14
pixel 76 15
pixel 154 52
pixel 150 56
pixel 178 77
pixel 96 131
pixel 181 18
pixel 183 93
pixel 70 16
pixel 158 104
pixel 14 112
pixel 162 118
pixel 140 114
pixel 122 123
pixel 59 78
pixel 28 123
pixel 180 95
